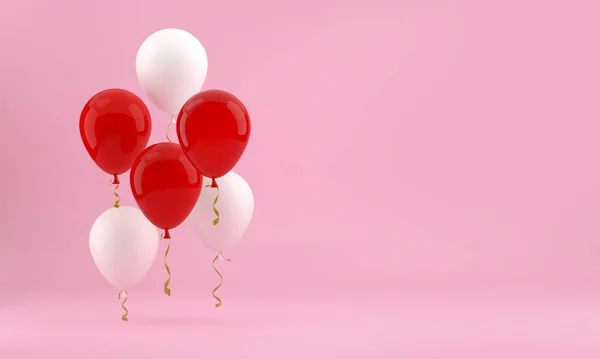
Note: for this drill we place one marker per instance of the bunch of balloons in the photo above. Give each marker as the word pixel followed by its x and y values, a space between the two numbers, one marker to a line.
pixel 191 181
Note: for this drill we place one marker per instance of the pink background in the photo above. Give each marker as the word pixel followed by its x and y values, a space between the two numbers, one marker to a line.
pixel 425 175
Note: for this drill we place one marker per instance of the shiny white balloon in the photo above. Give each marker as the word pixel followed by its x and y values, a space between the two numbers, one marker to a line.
pixel 171 66
pixel 123 244
pixel 235 206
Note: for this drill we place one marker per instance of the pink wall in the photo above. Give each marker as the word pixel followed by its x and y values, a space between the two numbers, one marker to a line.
pixel 417 143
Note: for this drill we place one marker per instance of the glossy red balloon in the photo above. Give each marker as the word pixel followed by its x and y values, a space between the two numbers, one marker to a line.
pixel 213 128
pixel 115 127
pixel 165 185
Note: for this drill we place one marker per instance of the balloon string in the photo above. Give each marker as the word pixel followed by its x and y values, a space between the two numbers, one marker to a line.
pixel 167 290
pixel 169 128
pixel 123 294
pixel 117 203
pixel 215 211
pixel 219 256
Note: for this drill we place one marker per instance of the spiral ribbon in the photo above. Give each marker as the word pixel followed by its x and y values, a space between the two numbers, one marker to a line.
pixel 215 211
pixel 167 290
pixel 218 257
pixel 169 127
pixel 117 203
pixel 123 294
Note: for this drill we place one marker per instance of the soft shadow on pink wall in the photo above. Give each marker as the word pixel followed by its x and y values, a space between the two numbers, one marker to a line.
pixel 405 143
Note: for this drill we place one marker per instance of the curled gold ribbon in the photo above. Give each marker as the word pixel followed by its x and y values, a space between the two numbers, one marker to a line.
pixel 124 294
pixel 219 301
pixel 117 203
pixel 169 128
pixel 167 290
pixel 215 211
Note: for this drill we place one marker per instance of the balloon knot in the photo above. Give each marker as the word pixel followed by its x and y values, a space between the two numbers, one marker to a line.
pixel 167 234
pixel 115 180
pixel 214 184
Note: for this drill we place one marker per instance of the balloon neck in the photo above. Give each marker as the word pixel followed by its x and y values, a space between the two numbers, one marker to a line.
pixel 167 235
pixel 115 180
pixel 214 184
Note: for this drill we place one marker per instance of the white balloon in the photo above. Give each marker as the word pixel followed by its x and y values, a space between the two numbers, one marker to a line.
pixel 171 66
pixel 235 206
pixel 123 244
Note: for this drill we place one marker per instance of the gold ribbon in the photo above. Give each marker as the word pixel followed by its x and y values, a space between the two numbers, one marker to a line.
pixel 167 290
pixel 124 294
pixel 219 256
pixel 117 203
pixel 169 127
pixel 215 211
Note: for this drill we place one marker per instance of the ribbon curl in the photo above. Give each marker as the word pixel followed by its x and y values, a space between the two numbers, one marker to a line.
pixel 215 211
pixel 167 290
pixel 123 294
pixel 169 127
pixel 218 257
pixel 117 203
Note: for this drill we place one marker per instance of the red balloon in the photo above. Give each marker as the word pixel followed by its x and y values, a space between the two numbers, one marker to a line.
pixel 115 127
pixel 165 185
pixel 213 128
